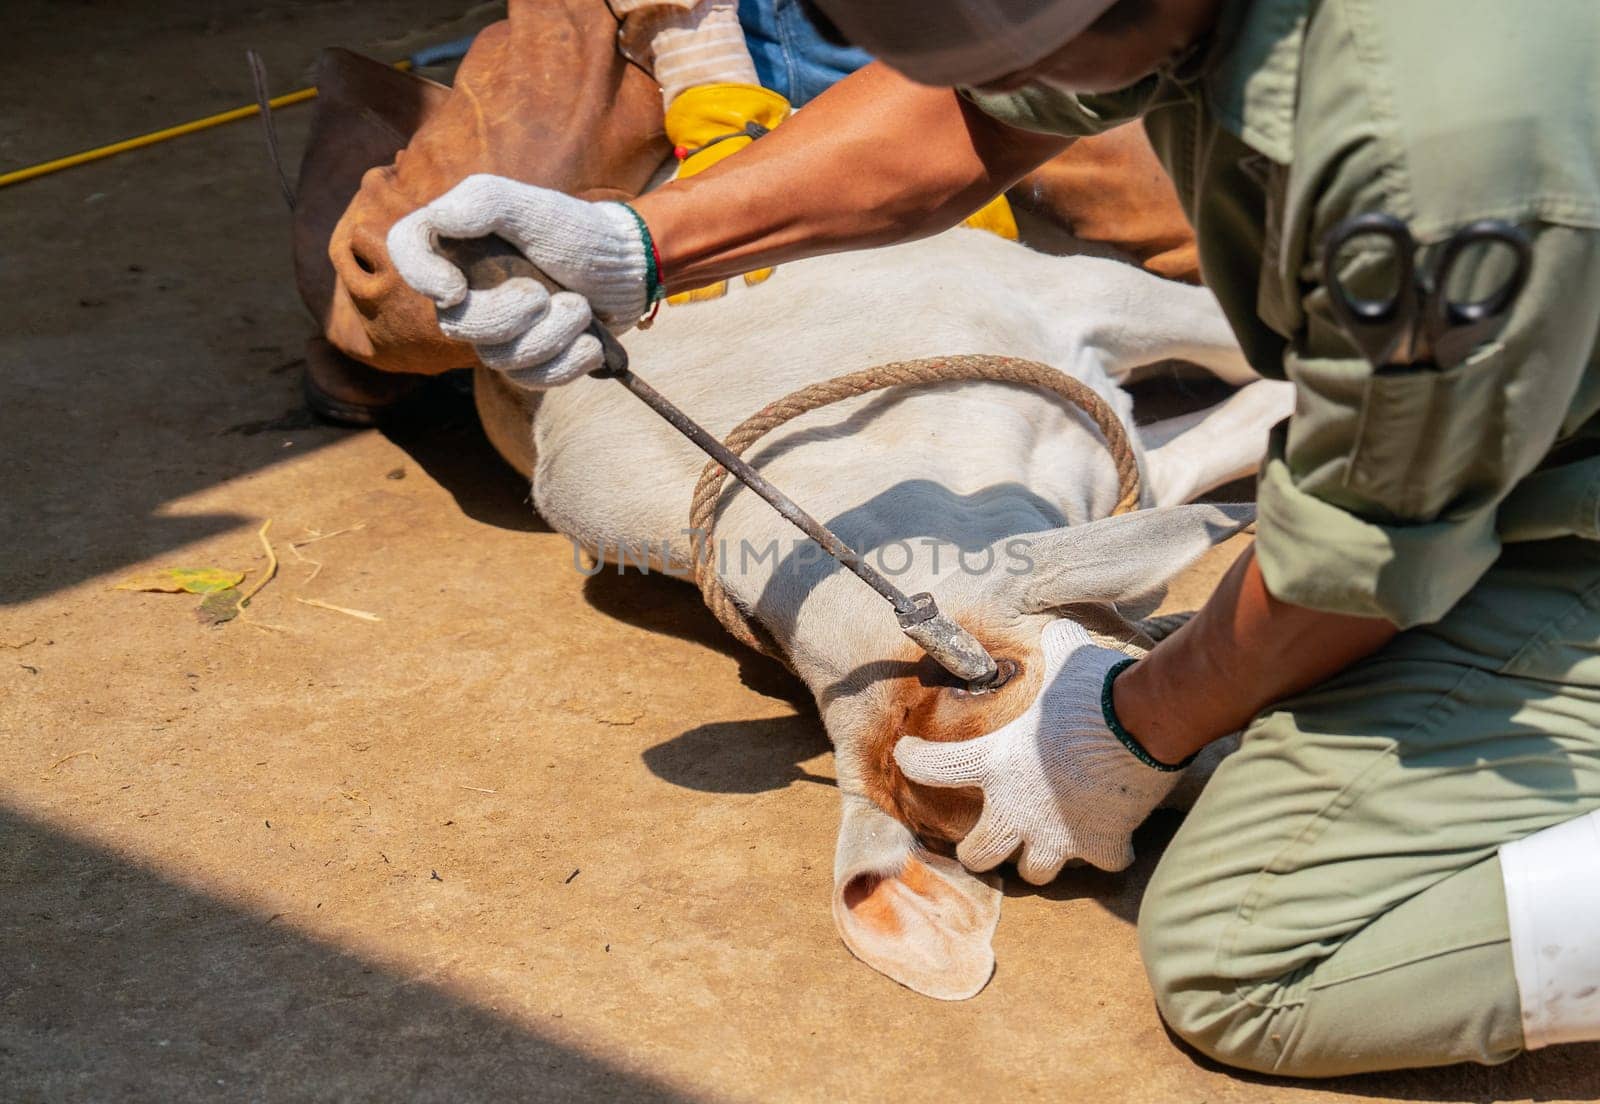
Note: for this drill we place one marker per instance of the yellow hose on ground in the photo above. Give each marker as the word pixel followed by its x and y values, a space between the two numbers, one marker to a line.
pixel 45 168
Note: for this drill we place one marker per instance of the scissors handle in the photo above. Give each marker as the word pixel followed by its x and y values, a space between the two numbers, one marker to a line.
pixel 1454 329
pixel 1379 327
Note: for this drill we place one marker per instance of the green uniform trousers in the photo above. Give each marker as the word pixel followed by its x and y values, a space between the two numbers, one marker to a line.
pixel 1333 903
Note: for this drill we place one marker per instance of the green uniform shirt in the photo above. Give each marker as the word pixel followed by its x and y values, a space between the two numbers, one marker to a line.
pixel 1389 495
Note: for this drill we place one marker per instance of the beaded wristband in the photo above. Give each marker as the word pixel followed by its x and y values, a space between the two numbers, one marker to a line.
pixel 1109 711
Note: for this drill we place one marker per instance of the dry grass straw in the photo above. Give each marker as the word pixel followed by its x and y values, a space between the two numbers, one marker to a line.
pixel 360 615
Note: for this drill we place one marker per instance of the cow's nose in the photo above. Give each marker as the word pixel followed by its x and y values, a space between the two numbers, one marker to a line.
pixel 363 264
pixel 358 247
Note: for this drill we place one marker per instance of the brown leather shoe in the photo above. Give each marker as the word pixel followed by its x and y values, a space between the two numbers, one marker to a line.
pixel 542 97
pixel 344 391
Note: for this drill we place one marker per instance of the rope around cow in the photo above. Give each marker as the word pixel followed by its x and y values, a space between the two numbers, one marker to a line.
pixel 905 373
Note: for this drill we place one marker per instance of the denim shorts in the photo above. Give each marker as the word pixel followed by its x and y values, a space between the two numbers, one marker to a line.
pixel 791 58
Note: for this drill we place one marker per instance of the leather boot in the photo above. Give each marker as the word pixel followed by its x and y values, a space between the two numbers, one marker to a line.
pixel 543 97
pixel 344 391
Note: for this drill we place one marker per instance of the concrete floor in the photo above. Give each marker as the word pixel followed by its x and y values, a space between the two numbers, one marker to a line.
pixel 528 836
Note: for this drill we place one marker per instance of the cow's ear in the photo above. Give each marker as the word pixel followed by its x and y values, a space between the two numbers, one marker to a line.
pixel 920 918
pixel 1119 559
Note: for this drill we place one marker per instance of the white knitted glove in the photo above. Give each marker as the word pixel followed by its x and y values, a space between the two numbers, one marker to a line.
pixel 1055 781
pixel 598 251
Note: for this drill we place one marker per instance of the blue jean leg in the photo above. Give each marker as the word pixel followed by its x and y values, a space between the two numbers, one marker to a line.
pixel 791 58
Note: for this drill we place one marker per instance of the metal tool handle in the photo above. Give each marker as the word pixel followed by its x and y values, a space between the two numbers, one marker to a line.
pixel 1379 327
pixel 1455 329
pixel 488 262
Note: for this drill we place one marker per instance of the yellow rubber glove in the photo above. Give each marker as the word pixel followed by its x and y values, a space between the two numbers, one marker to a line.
pixel 995 217
pixel 709 123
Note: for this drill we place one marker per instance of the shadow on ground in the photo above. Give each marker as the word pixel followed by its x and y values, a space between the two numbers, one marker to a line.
pixel 1118 894
pixel 438 428
pixel 1557 1074
pixel 672 607
pixel 742 757
pixel 154 336
pixel 209 1002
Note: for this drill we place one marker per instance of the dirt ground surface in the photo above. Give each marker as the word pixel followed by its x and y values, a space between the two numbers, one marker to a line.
pixel 516 834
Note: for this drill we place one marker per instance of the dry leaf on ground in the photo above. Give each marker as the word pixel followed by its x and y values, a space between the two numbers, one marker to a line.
pixel 183 580
pixel 218 608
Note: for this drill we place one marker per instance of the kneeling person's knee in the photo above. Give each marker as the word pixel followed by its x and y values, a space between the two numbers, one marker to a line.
pixel 1201 999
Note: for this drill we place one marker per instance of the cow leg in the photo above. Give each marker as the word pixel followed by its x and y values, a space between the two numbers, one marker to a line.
pixel 1139 322
pixel 506 412
pixel 1193 453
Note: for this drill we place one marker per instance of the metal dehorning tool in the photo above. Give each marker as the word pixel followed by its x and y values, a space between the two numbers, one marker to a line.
pixel 491 261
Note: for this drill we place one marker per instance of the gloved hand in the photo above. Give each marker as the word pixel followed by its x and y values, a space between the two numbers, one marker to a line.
pixel 599 252
pixel 1056 780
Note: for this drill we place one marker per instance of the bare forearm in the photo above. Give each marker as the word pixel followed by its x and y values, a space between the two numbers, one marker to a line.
pixel 875 159
pixel 1243 651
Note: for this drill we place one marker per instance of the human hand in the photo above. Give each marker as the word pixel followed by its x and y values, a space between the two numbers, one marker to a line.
pixel 599 254
pixel 1057 782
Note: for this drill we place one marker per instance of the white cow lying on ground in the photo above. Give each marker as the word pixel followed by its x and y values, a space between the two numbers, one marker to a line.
pixel 911 477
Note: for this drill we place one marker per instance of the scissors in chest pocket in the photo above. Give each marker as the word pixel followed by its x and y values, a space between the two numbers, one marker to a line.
pixel 1415 323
